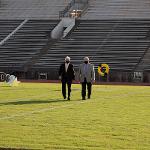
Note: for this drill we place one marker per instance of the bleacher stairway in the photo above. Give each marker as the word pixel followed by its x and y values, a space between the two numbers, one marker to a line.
pixel 144 63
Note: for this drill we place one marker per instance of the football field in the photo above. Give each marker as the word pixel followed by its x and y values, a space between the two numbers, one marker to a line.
pixel 35 116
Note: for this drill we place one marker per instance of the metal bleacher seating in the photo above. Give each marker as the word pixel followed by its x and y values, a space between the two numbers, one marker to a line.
pixel 25 43
pixel 31 9
pixel 144 64
pixel 118 9
pixel 7 26
pixel 117 43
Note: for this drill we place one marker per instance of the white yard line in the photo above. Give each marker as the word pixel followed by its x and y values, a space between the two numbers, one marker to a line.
pixel 39 111
pixel 58 107
pixel 25 98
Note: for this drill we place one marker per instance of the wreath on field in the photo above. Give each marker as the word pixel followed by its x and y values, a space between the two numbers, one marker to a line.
pixel 103 69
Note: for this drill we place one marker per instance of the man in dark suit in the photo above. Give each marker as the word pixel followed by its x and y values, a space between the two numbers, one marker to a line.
pixel 87 77
pixel 66 75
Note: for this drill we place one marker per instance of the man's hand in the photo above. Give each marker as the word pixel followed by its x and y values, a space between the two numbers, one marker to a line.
pixel 77 81
pixel 93 81
pixel 59 77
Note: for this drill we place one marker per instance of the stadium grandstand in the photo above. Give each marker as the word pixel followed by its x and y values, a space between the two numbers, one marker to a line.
pixel 35 37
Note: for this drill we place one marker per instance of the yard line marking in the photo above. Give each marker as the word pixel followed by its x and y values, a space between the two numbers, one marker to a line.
pixel 59 107
pixel 25 98
pixel 39 111
pixel 55 108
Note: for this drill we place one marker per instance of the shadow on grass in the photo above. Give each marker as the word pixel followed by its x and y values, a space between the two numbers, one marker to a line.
pixel 33 102
pixel 3 148
pixel 73 89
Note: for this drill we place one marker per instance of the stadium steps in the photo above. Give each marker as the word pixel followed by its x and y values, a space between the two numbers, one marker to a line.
pixel 144 63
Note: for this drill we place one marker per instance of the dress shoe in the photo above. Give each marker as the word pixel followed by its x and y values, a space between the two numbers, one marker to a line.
pixel 89 97
pixel 83 98
pixel 68 98
pixel 64 97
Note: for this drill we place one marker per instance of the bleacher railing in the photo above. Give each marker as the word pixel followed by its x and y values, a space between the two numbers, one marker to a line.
pixel 67 12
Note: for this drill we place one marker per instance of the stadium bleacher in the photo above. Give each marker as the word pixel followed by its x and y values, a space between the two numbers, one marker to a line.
pixel 144 64
pixel 118 9
pixel 118 43
pixel 7 26
pixel 113 32
pixel 31 9
pixel 25 43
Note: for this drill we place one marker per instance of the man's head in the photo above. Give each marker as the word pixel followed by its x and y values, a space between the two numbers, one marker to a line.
pixel 86 60
pixel 67 59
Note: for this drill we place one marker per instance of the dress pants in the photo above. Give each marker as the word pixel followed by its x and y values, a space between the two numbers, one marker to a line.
pixel 89 87
pixel 64 82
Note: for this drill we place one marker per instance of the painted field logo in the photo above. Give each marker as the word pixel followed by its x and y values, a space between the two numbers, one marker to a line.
pixel 9 79
pixel 2 76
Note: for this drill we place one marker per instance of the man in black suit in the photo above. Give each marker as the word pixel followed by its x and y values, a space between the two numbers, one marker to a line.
pixel 66 75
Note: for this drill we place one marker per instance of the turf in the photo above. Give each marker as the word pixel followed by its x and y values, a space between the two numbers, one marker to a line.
pixel 35 116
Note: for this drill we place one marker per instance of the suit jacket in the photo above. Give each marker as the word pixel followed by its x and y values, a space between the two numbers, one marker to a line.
pixel 90 75
pixel 69 75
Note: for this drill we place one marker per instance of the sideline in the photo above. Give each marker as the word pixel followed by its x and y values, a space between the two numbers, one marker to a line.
pixel 96 83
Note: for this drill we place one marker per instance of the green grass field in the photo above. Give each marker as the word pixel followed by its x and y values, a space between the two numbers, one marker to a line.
pixel 35 116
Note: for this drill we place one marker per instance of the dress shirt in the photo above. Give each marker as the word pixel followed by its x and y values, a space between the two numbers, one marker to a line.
pixel 66 66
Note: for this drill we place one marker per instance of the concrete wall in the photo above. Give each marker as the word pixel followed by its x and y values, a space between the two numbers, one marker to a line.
pixel 63 28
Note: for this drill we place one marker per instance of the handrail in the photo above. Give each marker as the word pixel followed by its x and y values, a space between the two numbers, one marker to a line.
pixel 67 8
pixel 13 32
